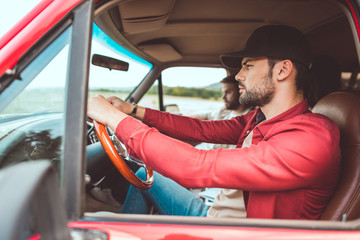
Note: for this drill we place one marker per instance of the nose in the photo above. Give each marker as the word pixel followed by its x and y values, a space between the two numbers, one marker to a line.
pixel 240 76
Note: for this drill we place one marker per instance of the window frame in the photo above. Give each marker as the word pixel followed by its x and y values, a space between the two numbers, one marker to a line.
pixel 76 110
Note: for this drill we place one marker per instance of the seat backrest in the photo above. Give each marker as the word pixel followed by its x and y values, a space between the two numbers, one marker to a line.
pixel 344 109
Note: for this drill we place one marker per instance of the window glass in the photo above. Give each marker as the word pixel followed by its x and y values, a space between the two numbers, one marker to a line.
pixel 31 117
pixel 151 98
pixel 350 82
pixel 113 82
pixel 188 90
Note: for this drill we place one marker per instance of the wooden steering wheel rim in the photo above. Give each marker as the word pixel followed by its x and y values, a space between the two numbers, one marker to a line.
pixel 119 163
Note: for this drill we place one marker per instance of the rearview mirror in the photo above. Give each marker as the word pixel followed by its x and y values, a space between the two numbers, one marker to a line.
pixel 110 63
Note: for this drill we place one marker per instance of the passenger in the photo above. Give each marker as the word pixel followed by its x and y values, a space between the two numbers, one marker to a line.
pixel 325 78
pixel 287 159
pixel 232 108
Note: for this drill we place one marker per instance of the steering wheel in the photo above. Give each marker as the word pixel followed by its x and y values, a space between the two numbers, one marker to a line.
pixel 117 153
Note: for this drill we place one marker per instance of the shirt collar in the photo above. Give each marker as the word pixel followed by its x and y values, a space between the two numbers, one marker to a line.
pixel 260 116
pixel 298 109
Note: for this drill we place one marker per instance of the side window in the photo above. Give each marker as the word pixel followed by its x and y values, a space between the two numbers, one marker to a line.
pixel 188 90
pixel 350 81
pixel 32 108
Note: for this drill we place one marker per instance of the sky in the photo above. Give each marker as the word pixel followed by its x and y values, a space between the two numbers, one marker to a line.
pixel 14 10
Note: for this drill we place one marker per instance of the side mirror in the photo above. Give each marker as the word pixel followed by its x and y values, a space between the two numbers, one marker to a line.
pixel 110 63
pixel 172 108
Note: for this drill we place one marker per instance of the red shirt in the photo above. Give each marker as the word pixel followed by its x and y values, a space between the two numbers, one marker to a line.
pixel 290 171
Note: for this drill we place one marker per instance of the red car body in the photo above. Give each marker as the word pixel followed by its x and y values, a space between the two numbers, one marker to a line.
pixel 32 27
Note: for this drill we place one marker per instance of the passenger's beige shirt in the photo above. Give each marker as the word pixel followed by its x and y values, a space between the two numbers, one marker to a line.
pixel 221 114
pixel 230 202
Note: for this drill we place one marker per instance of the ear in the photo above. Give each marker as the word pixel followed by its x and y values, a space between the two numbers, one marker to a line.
pixel 283 69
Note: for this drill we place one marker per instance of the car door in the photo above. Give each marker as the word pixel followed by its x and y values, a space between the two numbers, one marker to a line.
pixel 42 120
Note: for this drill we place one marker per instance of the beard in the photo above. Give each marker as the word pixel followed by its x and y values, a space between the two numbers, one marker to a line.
pixel 260 95
pixel 232 105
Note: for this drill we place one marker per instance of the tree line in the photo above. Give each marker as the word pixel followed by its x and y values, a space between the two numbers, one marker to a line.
pixel 188 92
pixel 204 93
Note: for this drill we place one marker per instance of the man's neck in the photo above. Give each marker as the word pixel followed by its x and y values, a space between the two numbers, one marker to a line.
pixel 280 105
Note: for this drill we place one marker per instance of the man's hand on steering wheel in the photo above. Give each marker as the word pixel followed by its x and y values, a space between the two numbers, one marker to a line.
pixel 109 112
pixel 121 105
pixel 102 111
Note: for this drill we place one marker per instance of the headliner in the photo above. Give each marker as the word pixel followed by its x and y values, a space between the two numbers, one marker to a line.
pixel 196 32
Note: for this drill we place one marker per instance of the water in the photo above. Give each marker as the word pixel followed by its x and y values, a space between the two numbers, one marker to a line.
pixel 187 106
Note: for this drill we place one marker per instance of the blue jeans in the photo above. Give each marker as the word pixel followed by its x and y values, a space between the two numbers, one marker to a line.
pixel 166 196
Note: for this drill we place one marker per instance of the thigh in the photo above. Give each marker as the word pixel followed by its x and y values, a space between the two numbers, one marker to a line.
pixel 170 198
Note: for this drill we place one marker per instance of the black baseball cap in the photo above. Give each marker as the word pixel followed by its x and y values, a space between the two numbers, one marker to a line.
pixel 272 41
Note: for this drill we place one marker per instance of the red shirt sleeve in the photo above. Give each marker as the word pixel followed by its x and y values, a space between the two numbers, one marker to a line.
pixel 196 130
pixel 306 155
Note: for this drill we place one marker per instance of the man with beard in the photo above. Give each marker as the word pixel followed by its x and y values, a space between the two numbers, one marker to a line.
pixel 287 159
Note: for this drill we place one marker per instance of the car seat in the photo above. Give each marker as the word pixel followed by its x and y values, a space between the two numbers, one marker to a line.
pixel 344 109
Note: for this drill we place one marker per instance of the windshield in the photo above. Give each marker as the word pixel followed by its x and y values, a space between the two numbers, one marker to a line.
pixel 112 82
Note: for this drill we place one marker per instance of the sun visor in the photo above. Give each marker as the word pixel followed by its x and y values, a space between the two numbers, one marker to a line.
pixel 162 52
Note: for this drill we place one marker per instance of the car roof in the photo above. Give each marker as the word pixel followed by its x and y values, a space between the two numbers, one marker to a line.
pixel 187 32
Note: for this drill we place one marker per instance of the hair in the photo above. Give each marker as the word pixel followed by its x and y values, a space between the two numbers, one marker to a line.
pixel 229 79
pixel 302 77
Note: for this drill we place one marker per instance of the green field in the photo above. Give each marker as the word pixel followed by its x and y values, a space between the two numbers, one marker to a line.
pixel 52 100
